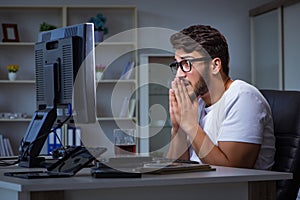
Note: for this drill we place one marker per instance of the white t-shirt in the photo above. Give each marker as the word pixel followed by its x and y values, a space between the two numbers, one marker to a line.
pixel 241 115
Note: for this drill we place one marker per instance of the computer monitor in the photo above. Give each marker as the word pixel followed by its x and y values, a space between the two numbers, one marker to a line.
pixel 65 85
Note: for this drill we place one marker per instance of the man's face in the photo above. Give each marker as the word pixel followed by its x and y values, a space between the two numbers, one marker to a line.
pixel 199 74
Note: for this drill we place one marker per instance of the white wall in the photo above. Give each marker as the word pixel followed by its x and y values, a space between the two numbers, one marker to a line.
pixel 230 17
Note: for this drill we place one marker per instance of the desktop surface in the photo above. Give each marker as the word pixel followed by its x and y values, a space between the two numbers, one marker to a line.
pixel 224 179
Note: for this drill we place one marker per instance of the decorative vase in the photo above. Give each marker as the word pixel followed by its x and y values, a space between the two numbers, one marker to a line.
pixel 12 76
pixel 98 36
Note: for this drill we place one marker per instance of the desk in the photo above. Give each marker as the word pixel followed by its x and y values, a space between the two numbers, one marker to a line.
pixel 224 183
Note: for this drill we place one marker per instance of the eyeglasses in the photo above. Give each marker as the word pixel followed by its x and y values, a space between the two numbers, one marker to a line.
pixel 186 64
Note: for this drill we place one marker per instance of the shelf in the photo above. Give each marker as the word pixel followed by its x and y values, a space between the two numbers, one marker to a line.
pixel 17 43
pixel 97 44
pixel 115 44
pixel 16 120
pixel 17 82
pixel 116 81
pixel 116 119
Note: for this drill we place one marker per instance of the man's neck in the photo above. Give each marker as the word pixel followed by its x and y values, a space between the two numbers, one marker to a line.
pixel 217 92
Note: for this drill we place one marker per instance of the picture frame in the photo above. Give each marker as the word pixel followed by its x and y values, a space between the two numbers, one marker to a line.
pixel 10 33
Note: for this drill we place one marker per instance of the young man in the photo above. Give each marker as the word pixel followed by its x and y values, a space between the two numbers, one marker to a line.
pixel 216 120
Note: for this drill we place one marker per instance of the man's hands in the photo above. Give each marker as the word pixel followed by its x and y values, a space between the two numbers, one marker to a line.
pixel 184 114
pixel 183 107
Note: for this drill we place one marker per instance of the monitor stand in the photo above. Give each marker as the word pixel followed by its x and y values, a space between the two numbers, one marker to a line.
pixel 35 137
pixel 29 162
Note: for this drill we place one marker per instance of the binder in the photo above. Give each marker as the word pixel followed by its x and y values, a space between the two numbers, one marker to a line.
pixel 70 136
pixel 58 138
pixel 78 137
pixel 51 142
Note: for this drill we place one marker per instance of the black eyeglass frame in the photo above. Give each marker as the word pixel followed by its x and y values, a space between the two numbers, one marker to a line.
pixel 175 65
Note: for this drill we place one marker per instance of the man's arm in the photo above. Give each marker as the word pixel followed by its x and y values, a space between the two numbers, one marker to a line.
pixel 178 146
pixel 231 154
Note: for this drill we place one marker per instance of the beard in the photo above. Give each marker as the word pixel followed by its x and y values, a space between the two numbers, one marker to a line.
pixel 200 87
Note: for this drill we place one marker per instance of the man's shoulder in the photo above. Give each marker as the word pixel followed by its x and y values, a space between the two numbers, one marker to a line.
pixel 241 90
pixel 240 87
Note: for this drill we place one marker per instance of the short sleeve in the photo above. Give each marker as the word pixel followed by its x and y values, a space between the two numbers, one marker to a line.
pixel 244 120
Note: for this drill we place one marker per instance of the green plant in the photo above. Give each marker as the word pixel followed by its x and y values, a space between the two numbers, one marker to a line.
pixel 46 27
pixel 99 23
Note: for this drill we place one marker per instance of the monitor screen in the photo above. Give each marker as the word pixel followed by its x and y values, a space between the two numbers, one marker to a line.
pixel 65 84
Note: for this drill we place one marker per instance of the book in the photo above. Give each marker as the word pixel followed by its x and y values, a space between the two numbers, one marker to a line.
pixel 5 142
pixel 124 108
pixel 132 108
pixel 2 147
pixel 127 108
pixel 9 147
pixel 127 71
pixel 5 147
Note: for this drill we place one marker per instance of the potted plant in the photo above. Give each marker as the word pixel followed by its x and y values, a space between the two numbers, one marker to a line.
pixel 100 27
pixel 12 70
pixel 46 27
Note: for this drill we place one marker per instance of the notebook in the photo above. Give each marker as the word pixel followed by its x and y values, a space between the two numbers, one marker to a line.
pixel 174 167
pixel 120 167
pixel 67 166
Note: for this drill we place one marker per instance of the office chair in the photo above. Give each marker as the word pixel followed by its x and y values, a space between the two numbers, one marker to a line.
pixel 285 106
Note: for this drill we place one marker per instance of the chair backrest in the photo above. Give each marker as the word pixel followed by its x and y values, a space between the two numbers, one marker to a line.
pixel 285 106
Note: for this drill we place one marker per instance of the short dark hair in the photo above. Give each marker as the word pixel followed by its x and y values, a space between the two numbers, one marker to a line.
pixel 204 39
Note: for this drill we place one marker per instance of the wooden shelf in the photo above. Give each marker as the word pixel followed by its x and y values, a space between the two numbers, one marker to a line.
pixel 119 19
